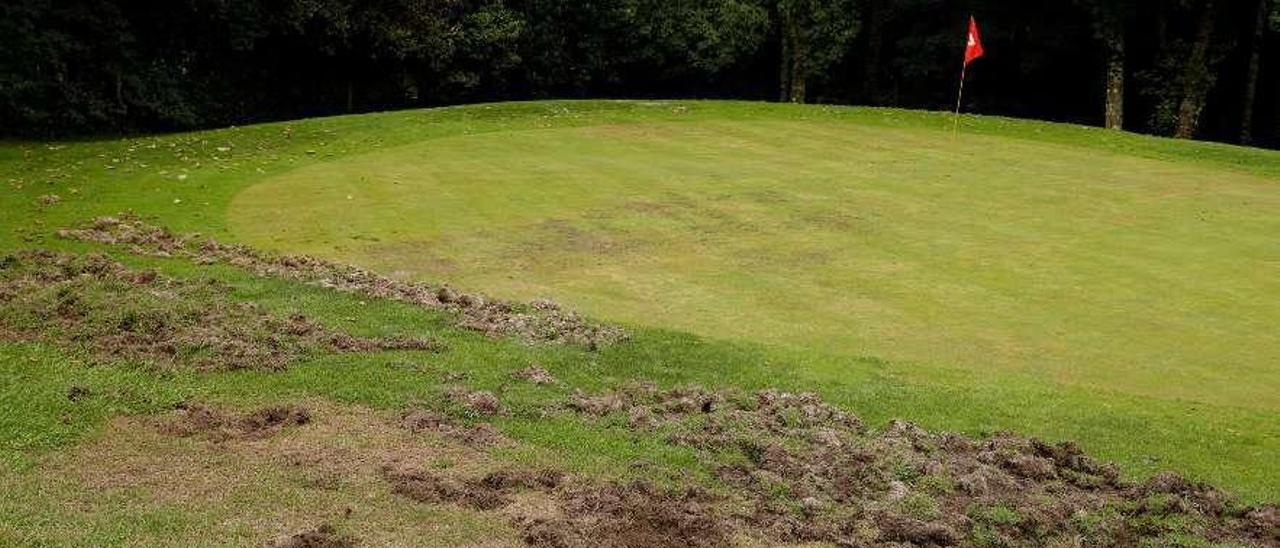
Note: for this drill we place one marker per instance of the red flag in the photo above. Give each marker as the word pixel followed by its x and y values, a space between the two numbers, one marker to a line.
pixel 973 50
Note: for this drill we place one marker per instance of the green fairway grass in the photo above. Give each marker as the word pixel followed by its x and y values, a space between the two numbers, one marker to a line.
pixel 1059 281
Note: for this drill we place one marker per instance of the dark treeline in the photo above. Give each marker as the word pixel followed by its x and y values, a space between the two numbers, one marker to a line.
pixel 1190 68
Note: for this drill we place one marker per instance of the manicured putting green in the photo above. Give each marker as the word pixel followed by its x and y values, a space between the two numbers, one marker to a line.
pixel 990 255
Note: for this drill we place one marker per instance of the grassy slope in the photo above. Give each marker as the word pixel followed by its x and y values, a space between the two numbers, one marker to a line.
pixel 992 254
pixel 1225 441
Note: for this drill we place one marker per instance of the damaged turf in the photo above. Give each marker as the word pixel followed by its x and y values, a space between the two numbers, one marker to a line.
pixel 489 492
pixel 799 470
pixel 324 536
pixel 634 515
pixel 93 302
pixel 217 424
pixel 480 435
pixel 540 320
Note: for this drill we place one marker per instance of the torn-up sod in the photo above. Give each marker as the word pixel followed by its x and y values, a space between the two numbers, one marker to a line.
pixel 479 435
pixel 323 536
pixel 796 469
pixel 489 492
pixel 538 321
pixel 90 301
pixel 535 374
pixel 215 423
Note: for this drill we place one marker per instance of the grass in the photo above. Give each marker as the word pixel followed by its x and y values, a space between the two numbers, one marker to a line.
pixel 990 254
pixel 1054 280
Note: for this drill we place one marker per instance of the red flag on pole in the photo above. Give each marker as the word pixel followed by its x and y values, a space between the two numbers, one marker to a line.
pixel 974 49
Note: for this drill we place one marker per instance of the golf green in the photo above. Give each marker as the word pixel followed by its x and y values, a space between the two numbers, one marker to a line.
pixel 995 256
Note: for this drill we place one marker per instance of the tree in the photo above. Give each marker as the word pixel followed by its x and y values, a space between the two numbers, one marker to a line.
pixel 813 35
pixel 1197 74
pixel 1110 18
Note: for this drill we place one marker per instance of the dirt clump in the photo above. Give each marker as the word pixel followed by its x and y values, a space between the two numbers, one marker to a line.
pixel 596 405
pixel 800 470
pixel 917 532
pixel 219 424
pixel 488 492
pixel 323 536
pixel 538 321
pixel 524 479
pixel 92 302
pixel 535 374
pixel 479 402
pixel 479 435
pixel 1265 522
pixel 76 393
pixel 423 486
pixel 636 514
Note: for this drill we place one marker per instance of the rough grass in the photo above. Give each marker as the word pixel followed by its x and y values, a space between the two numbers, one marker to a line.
pixel 1176 420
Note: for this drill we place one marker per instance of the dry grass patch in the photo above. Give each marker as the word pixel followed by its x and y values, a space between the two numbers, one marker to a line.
pixel 286 481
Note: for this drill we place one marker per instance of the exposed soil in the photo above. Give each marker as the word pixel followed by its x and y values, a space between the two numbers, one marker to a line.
pixel 540 320
pixel 218 424
pixel 635 515
pixel 76 393
pixel 324 536
pixel 93 302
pixel 480 402
pixel 534 374
pixel 479 435
pixel 488 492
pixel 799 470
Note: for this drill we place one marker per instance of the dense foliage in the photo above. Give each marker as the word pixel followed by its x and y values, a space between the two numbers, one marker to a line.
pixel 1192 68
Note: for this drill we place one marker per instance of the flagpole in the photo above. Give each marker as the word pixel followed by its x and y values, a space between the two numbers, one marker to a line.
pixel 972 50
pixel 955 129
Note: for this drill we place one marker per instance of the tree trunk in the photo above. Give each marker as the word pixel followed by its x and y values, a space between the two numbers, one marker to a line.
pixel 1115 78
pixel 1196 77
pixel 799 67
pixel 798 83
pixel 784 58
pixel 351 95
pixel 1251 77
pixel 794 69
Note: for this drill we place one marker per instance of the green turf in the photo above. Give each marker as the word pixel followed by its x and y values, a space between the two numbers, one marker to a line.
pixel 1055 280
pixel 993 254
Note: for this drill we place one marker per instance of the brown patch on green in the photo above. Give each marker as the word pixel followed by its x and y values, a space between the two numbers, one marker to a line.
pixel 489 492
pixel 92 302
pixel 218 424
pixel 257 489
pixel 800 470
pixel 76 393
pixel 537 321
pixel 478 435
pixel 324 536
pixel 633 515
pixel 559 236
pixel 479 402
pixel 535 374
